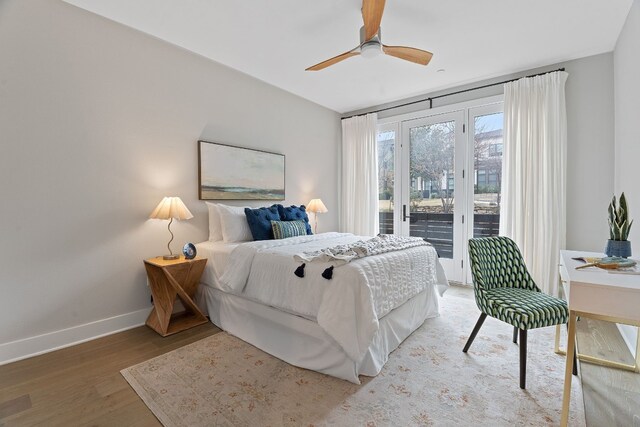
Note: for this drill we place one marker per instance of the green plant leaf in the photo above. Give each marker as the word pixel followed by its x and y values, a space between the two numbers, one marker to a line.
pixel 622 216
pixel 612 215
pixel 611 236
pixel 617 232
pixel 624 231
pixel 623 203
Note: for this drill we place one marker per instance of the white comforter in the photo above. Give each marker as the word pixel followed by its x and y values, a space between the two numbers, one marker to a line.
pixel 349 305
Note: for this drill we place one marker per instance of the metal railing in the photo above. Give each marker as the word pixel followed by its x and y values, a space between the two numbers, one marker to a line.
pixel 437 228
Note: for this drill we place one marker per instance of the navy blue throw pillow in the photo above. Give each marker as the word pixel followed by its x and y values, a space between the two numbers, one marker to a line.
pixel 295 213
pixel 260 221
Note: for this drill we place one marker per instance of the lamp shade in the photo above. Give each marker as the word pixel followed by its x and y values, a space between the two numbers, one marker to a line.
pixel 316 206
pixel 171 208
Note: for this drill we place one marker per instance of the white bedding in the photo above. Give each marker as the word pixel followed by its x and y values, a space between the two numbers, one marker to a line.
pixel 217 255
pixel 302 342
pixel 375 285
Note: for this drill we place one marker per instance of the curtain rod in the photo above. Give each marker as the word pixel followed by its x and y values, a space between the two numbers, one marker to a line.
pixel 431 98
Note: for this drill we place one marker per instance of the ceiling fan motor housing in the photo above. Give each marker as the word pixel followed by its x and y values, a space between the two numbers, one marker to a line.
pixel 372 47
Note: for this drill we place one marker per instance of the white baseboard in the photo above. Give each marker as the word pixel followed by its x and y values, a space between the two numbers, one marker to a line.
pixel 33 346
pixel 630 336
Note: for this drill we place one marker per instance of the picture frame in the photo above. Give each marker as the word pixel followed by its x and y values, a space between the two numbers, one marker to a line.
pixel 227 172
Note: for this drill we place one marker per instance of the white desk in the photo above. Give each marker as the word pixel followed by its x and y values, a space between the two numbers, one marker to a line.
pixel 597 294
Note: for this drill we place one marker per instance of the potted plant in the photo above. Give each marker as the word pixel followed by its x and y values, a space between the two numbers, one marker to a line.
pixel 619 227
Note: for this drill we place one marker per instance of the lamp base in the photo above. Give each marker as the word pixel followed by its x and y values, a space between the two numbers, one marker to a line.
pixel 170 257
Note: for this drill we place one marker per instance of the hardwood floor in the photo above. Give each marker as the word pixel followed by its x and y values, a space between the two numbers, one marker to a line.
pixel 82 385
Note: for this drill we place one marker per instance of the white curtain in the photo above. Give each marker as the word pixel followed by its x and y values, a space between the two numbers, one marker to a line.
pixel 533 208
pixel 359 202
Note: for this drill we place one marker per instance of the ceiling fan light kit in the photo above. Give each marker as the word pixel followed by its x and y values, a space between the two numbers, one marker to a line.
pixel 370 50
pixel 371 41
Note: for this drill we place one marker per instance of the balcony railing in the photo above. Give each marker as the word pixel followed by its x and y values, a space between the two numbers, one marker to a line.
pixel 437 228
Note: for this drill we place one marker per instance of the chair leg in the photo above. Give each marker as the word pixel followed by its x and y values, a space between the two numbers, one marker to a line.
pixel 515 335
pixel 523 358
pixel 474 332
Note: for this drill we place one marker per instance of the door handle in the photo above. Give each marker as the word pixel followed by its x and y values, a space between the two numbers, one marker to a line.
pixel 404 213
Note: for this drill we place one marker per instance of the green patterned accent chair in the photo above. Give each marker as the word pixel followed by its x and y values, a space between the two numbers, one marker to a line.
pixel 504 290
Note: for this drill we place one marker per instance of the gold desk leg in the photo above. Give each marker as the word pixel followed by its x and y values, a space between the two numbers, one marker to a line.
pixel 571 348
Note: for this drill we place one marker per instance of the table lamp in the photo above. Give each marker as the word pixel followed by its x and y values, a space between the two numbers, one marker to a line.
pixel 171 208
pixel 316 206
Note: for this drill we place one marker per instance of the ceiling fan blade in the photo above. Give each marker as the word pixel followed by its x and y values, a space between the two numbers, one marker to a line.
pixel 412 54
pixel 372 16
pixel 334 60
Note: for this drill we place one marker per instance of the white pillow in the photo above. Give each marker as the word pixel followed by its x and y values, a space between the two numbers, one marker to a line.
pixel 235 227
pixel 215 228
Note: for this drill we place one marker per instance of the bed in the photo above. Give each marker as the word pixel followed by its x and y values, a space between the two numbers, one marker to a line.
pixel 346 326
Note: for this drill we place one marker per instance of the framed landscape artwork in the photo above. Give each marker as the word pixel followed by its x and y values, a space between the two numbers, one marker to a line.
pixel 235 173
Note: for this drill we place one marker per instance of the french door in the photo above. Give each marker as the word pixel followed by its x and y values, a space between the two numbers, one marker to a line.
pixel 440 179
pixel 431 190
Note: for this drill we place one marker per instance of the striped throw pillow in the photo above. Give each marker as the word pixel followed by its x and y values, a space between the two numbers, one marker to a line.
pixel 284 229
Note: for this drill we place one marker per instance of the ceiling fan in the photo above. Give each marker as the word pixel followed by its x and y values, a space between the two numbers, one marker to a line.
pixel 371 41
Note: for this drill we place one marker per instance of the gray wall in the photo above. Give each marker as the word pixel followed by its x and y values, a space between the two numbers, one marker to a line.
pixel 590 123
pixel 627 125
pixel 97 123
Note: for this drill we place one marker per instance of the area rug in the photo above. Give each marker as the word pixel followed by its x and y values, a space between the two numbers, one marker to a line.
pixel 428 381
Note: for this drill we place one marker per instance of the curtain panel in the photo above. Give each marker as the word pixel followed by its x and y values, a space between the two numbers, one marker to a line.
pixel 359 199
pixel 534 194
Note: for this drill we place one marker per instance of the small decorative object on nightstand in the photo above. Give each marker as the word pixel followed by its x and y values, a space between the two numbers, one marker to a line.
pixel 171 208
pixel 316 206
pixel 171 280
pixel 189 251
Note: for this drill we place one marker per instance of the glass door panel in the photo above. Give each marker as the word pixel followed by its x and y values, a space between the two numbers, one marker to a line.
pixel 484 162
pixel 434 150
pixel 386 179
pixel 487 173
pixel 432 184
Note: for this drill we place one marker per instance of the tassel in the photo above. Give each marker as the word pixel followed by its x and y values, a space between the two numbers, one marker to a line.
pixel 328 273
pixel 300 270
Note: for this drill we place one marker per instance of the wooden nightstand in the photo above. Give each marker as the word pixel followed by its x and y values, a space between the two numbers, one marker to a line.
pixel 170 280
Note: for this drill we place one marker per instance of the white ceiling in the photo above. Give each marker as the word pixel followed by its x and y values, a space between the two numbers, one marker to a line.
pixel 275 40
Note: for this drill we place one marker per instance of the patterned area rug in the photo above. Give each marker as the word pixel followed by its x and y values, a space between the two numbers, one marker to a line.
pixel 222 380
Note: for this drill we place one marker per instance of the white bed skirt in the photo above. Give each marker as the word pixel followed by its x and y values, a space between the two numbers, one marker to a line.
pixel 302 342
